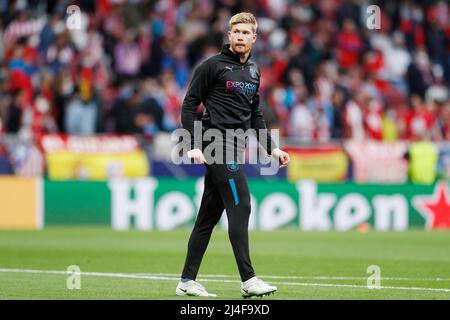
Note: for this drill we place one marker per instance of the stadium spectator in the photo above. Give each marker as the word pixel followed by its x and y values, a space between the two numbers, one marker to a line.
pixel 349 45
pixel 420 75
pixel 124 110
pixel 127 56
pixel 150 118
pixel 302 47
pixel 81 115
pixel 445 121
pixel 338 101
pixel 301 123
pixel 354 117
pixel 419 120
pixel 14 113
pixel 322 114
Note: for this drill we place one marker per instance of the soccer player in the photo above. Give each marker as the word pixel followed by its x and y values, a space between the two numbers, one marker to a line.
pixel 227 85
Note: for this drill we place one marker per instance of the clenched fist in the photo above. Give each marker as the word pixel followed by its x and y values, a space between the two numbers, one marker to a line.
pixel 196 155
pixel 283 157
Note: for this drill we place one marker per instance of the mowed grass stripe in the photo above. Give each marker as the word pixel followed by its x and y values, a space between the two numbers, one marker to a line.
pixel 412 259
pixel 202 279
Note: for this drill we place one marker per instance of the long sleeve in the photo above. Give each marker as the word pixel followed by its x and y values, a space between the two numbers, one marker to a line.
pixel 201 83
pixel 258 123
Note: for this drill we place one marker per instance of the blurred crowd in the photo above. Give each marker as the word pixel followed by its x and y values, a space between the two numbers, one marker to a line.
pixel 325 75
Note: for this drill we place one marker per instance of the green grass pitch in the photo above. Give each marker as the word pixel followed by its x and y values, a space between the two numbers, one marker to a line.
pixel 146 265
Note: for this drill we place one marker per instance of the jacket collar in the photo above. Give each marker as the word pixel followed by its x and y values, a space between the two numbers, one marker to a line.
pixel 226 51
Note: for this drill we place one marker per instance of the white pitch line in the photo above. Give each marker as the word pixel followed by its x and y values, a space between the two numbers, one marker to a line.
pixel 166 278
pixel 304 277
pixel 98 274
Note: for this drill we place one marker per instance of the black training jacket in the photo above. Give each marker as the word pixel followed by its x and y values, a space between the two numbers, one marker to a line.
pixel 229 91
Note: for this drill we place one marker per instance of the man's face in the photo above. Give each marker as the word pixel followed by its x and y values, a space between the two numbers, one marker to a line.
pixel 241 38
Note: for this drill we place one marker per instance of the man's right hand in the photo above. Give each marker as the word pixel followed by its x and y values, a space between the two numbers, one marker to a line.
pixel 196 155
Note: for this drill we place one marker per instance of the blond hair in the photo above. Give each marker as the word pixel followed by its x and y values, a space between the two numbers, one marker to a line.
pixel 244 17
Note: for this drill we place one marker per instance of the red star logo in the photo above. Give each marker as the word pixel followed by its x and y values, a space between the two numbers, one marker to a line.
pixel 436 208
